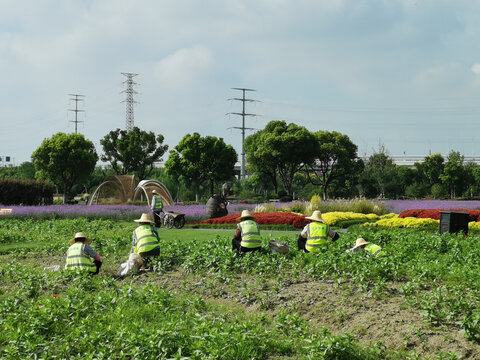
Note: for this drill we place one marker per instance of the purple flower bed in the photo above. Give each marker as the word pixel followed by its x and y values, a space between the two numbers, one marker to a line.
pixel 77 210
pixel 192 212
pixel 397 206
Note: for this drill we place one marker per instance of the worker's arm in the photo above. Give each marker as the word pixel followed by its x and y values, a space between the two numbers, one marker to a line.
pixel 333 234
pixel 92 253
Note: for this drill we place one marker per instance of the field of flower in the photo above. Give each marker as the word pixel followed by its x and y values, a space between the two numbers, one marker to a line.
pixel 202 301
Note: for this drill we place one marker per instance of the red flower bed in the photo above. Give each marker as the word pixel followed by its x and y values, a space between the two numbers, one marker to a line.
pixel 264 218
pixel 435 213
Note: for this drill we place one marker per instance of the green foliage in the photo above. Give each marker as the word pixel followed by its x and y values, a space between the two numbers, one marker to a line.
pixel 133 151
pixel 106 318
pixel 65 160
pixel 199 159
pixel 26 192
pixel 335 156
pixel 280 149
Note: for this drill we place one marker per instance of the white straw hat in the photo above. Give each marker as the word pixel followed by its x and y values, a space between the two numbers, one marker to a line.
pixel 245 215
pixel 316 216
pixel 360 242
pixel 145 218
pixel 78 236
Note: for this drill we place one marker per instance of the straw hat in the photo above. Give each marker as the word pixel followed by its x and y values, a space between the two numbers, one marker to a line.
pixel 360 242
pixel 80 235
pixel 145 218
pixel 316 216
pixel 245 215
pixel 154 192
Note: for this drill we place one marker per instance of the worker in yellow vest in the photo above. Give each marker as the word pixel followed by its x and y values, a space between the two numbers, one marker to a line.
pixel 145 239
pixel 371 249
pixel 157 208
pixel 247 237
pixel 314 236
pixel 81 257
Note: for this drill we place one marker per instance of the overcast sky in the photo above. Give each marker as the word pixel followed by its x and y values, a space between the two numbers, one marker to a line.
pixel 402 73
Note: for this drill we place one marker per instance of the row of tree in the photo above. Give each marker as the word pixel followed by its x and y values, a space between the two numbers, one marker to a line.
pixel 283 159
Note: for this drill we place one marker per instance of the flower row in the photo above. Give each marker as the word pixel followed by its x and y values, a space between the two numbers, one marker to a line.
pixel 435 213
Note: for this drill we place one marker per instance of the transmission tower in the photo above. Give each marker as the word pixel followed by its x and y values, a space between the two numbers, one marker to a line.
pixel 129 100
pixel 243 128
pixel 76 98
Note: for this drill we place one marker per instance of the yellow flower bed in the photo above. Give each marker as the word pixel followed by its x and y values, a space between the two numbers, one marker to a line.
pixel 331 218
pixel 408 222
pixel 474 225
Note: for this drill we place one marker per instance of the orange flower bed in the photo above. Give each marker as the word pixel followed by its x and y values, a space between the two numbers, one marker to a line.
pixel 263 218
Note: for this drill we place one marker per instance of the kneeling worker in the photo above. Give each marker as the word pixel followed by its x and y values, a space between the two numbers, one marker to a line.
pixel 81 257
pixel 371 249
pixel 145 240
pixel 247 237
pixel 313 237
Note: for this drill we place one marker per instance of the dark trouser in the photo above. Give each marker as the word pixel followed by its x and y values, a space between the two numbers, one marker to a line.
pixel 236 246
pixel 98 264
pixel 148 255
pixel 157 218
pixel 301 241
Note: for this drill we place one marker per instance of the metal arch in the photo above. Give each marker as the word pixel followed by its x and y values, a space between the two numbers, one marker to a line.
pixel 164 193
pixel 114 179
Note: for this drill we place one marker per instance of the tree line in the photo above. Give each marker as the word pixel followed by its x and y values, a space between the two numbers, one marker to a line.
pixel 283 161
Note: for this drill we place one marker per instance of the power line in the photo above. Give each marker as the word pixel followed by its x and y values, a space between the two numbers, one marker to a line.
pixel 243 128
pixel 129 123
pixel 76 98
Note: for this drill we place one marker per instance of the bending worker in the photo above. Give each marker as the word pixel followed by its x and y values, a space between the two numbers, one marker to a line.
pixel 145 239
pixel 81 257
pixel 313 237
pixel 247 237
pixel 371 249
pixel 157 208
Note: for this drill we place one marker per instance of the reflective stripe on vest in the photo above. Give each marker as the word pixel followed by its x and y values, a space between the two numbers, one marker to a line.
pixel 158 203
pixel 146 239
pixel 316 237
pixel 250 234
pixel 78 260
pixel 374 250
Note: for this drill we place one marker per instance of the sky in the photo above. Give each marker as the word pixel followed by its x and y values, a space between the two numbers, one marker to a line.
pixel 398 74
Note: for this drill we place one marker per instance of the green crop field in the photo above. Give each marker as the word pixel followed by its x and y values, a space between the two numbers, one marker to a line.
pixel 202 301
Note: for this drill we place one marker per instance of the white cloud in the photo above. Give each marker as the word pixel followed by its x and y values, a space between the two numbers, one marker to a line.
pixel 476 69
pixel 184 66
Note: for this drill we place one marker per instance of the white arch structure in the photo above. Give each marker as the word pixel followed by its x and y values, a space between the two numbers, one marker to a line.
pixel 123 188
pixel 144 191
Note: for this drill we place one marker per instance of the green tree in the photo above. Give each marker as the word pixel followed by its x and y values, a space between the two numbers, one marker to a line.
pixel 380 176
pixel 25 171
pixel 133 151
pixel 200 159
pixel 335 155
pixel 280 149
pixel 453 173
pixel 432 168
pixel 65 160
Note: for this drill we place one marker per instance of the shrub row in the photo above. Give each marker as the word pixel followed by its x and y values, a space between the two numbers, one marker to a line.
pixel 26 192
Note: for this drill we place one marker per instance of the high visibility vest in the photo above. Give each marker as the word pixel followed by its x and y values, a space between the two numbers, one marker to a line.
pixel 158 203
pixel 146 239
pixel 78 260
pixel 250 234
pixel 375 250
pixel 316 237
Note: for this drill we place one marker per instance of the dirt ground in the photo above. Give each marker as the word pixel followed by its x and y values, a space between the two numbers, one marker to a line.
pixel 340 307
